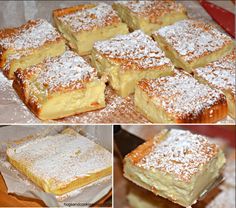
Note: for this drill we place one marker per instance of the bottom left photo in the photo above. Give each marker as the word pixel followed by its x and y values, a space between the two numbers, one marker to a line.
pixel 61 165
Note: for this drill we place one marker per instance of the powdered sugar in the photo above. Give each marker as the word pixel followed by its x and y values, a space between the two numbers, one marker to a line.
pixel 181 95
pixel 31 35
pixel 221 73
pixel 180 153
pixel 153 9
pixel 66 71
pixel 62 158
pixel 134 48
pixel 193 39
pixel 98 16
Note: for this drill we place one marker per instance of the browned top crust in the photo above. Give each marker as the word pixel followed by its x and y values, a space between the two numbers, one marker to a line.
pixel 58 74
pixel 221 73
pixel 177 152
pixel 182 96
pixel 87 17
pixel 153 10
pixel 193 39
pixel 136 49
pixel 31 35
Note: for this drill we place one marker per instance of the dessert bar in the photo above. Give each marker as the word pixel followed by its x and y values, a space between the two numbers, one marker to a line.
pixel 61 86
pixel 85 24
pixel 28 45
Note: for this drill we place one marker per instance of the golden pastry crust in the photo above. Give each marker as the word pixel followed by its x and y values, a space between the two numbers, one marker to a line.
pixel 193 43
pixel 61 163
pixel 221 75
pixel 184 99
pixel 55 76
pixel 20 42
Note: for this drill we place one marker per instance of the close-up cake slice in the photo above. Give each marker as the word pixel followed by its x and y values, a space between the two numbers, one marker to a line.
pixel 61 86
pixel 221 75
pixel 85 24
pixel 125 59
pixel 28 44
pixel 150 15
pixel 176 165
pixel 179 99
pixel 192 43
pixel 61 163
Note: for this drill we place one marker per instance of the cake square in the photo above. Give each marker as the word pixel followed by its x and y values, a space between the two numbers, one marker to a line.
pixel 60 86
pixel 193 43
pixel 176 165
pixel 125 59
pixel 221 75
pixel 61 163
pixel 150 15
pixel 85 24
pixel 179 99
pixel 28 45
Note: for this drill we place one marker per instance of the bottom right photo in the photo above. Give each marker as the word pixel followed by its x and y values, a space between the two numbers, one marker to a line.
pixel 174 166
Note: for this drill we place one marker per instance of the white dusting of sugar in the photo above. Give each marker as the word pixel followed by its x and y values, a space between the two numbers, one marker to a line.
pixel 193 39
pixel 221 73
pixel 67 70
pixel 31 36
pixel 99 16
pixel 181 95
pixel 153 8
pixel 181 153
pixel 134 48
pixel 62 158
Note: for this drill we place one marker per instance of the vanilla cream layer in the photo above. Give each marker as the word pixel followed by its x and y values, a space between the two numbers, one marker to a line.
pixel 124 81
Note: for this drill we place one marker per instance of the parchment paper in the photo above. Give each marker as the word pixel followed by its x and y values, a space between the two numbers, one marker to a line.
pixel 17 183
pixel 118 110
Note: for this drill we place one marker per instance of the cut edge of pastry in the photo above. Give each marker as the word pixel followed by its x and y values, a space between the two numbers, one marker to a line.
pixel 44 110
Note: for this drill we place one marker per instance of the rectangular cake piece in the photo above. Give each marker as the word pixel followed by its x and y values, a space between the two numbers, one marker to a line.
pixel 126 59
pixel 61 86
pixel 28 45
pixel 150 15
pixel 221 75
pixel 192 43
pixel 83 25
pixel 176 165
pixel 179 99
pixel 61 163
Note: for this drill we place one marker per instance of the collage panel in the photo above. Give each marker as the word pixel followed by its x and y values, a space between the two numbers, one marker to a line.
pixel 56 166
pixel 174 166
pixel 85 62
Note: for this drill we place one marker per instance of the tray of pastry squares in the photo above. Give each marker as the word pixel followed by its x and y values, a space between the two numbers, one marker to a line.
pixel 118 62
pixel 57 164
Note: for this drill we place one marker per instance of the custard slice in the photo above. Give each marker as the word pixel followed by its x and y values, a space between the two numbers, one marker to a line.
pixel 176 165
pixel 61 86
pixel 85 24
pixel 61 163
pixel 28 45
